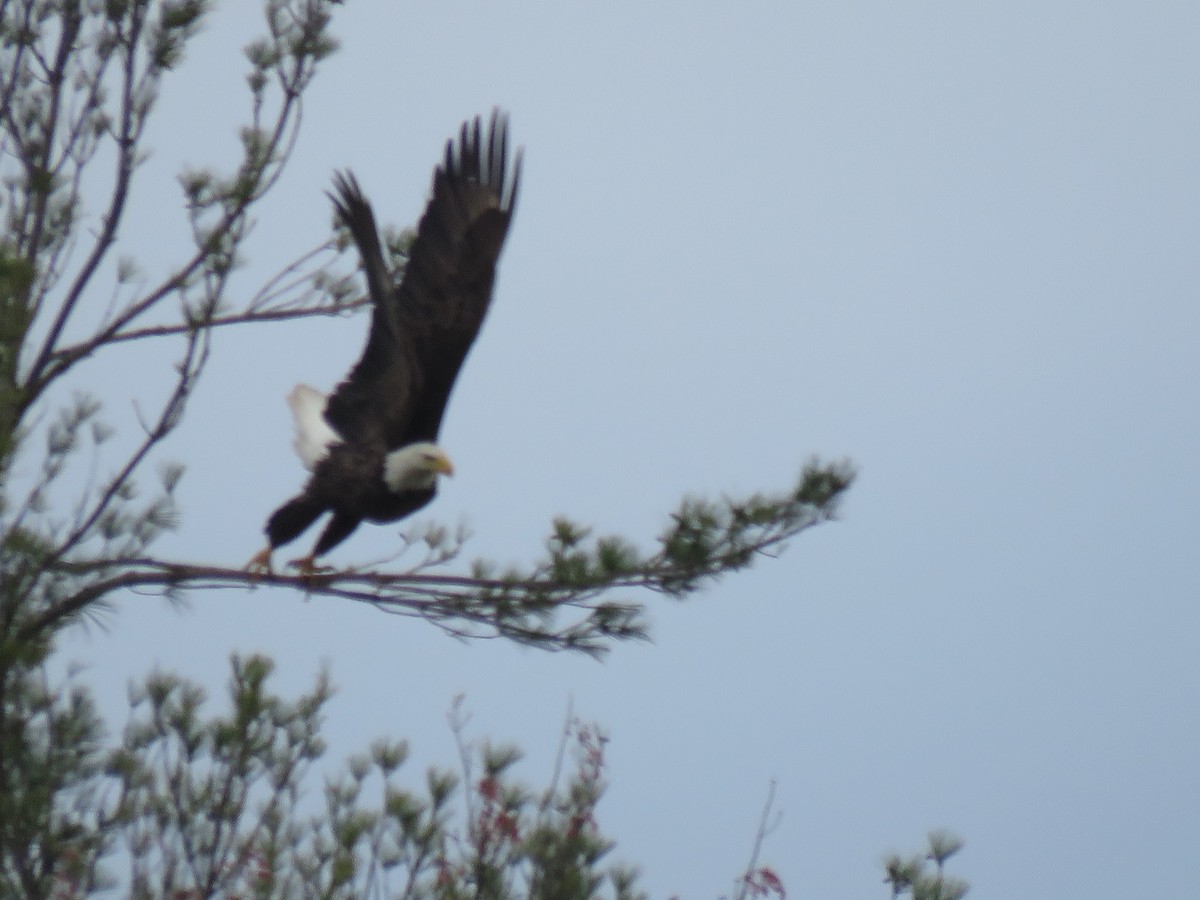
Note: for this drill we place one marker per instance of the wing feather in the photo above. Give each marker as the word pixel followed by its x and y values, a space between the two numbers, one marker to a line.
pixel 422 329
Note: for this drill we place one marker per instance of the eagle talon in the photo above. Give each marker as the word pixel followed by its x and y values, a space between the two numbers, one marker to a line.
pixel 308 567
pixel 260 563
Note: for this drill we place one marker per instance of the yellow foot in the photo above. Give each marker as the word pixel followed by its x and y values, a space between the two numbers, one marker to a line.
pixel 308 567
pixel 260 563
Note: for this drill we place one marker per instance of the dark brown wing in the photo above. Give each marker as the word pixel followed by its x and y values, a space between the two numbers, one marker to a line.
pixel 422 330
pixel 386 368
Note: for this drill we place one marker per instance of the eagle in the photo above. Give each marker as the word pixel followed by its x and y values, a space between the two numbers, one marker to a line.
pixel 371 445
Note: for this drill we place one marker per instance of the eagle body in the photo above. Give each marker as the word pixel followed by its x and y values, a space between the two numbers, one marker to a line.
pixel 370 445
pixel 349 482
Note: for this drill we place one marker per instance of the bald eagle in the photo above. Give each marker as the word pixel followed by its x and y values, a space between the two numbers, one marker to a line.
pixel 371 445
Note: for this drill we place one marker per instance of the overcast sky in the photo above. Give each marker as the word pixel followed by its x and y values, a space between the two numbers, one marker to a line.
pixel 955 242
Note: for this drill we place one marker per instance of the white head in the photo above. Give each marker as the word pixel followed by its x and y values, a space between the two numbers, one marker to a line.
pixel 415 467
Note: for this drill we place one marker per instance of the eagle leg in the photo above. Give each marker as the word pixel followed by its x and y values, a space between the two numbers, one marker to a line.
pixel 260 562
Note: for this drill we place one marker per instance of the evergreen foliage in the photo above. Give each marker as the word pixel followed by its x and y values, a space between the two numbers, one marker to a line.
pixel 915 876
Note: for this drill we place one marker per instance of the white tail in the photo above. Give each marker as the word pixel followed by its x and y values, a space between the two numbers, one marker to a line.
pixel 313 433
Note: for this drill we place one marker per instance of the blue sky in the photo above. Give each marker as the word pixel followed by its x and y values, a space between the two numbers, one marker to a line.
pixel 954 242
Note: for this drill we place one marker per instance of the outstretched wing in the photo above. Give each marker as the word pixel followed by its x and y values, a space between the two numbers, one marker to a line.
pixel 383 365
pixel 422 329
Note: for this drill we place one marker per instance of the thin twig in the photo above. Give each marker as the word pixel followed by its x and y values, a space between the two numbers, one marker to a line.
pixel 764 828
pixel 559 758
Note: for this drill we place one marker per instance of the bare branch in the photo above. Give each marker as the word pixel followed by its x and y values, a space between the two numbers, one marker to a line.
pixel 272 303
pixel 765 827
pixel 187 372
pixel 569 724
pixel 298 47
pixel 126 140
pixel 240 318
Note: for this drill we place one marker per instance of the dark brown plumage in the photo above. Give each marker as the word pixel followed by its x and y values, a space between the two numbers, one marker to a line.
pixel 370 443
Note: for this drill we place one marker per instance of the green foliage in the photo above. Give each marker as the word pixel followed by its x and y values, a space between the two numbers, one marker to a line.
pixel 704 540
pixel 51 826
pixel 915 876
pixel 16 278
pixel 215 807
pixel 196 794
pixel 79 80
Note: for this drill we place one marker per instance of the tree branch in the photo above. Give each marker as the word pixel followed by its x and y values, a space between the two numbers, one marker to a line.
pixel 126 142
pixel 560 603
